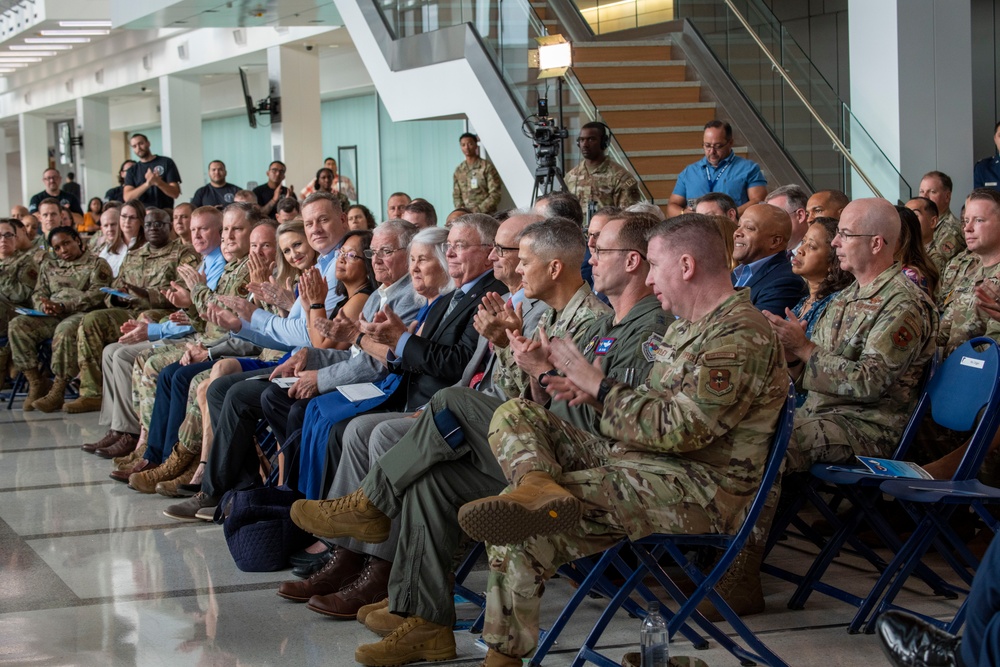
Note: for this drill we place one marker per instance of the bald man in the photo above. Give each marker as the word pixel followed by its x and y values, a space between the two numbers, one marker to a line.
pixel 863 366
pixel 759 245
pixel 826 204
pixel 861 370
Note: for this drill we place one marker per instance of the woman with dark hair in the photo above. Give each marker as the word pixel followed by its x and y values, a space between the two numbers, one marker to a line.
pixel 816 262
pixel 131 218
pixel 69 285
pixel 92 218
pixel 355 282
pixel 911 253
pixel 360 217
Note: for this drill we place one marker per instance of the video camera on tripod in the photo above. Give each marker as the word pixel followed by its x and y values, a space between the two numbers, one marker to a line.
pixel 547 136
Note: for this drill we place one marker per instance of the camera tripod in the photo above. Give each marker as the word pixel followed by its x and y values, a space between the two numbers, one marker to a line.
pixel 547 177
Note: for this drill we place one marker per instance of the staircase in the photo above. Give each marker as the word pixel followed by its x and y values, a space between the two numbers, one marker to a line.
pixel 645 93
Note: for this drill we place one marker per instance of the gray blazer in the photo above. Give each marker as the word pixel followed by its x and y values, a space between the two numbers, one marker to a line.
pixel 337 367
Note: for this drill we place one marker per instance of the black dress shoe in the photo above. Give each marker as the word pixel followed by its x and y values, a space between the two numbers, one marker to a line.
pixel 911 642
pixel 305 567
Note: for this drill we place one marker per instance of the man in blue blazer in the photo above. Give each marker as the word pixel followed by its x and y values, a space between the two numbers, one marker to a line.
pixel 759 245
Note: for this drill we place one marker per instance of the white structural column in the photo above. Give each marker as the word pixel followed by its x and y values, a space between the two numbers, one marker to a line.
pixel 6 200
pixel 911 89
pixel 97 173
pixel 33 134
pixel 180 117
pixel 297 140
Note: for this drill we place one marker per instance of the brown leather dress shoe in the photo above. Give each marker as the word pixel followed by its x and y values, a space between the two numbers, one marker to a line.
pixel 343 567
pixel 110 438
pixel 370 587
pixel 138 466
pixel 125 444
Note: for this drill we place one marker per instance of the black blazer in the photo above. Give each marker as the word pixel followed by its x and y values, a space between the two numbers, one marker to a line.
pixel 437 358
pixel 773 287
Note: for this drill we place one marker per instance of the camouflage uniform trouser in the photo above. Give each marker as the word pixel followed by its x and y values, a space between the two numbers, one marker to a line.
pixel 100 328
pixel 620 498
pixel 833 439
pixel 145 370
pixel 116 408
pixel 190 432
pixel 7 313
pixel 26 333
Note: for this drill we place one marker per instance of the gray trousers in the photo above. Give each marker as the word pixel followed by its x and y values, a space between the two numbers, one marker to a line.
pixel 366 439
pixel 116 408
pixel 423 481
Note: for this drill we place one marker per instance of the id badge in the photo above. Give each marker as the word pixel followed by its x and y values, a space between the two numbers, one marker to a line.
pixel 474 183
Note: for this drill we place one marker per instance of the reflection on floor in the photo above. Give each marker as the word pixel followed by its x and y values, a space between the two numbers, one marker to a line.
pixel 92 573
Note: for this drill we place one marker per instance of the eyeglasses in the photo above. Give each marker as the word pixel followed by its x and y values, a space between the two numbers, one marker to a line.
pixel 850 235
pixel 462 246
pixel 122 216
pixel 715 147
pixel 501 249
pixel 155 224
pixel 384 253
pixel 350 255
pixel 592 237
pixel 7 236
pixel 597 251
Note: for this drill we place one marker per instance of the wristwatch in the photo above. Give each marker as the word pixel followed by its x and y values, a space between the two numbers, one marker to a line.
pixel 357 341
pixel 549 373
pixel 607 384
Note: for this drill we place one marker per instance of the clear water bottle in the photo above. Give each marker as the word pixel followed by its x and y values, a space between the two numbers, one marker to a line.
pixel 653 639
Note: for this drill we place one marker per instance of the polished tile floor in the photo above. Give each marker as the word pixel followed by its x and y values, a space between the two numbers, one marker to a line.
pixel 92 573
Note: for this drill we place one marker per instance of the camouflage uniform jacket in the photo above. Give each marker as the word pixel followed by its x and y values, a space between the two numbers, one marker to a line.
pixel 477 186
pixel 956 271
pixel 233 282
pixel 76 285
pixel 153 269
pixel 18 275
pixel 709 406
pixel 961 320
pixel 872 345
pixel 629 344
pixel 609 185
pixel 573 320
pixel 948 241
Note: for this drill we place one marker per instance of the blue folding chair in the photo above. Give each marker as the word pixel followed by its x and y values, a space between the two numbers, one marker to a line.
pixel 649 550
pixel 20 387
pixel 932 503
pixel 954 396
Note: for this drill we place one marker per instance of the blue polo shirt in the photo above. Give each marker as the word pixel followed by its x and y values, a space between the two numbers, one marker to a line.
pixel 986 173
pixel 734 176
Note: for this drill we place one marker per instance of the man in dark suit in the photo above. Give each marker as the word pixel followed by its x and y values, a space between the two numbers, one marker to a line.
pixel 759 245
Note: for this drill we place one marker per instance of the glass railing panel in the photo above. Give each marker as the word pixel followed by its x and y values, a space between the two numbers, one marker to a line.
pixel 508 30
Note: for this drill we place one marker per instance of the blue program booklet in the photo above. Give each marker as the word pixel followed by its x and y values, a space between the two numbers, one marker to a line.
pixel 31 312
pixel 120 295
pixel 891 468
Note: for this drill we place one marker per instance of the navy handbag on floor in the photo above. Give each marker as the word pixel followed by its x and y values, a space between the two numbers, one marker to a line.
pixel 259 529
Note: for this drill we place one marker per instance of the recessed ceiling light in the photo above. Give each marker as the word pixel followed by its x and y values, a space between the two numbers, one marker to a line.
pixel 4 60
pixel 40 47
pixel 56 40
pixel 7 71
pixel 73 33
pixel 25 54
pixel 85 24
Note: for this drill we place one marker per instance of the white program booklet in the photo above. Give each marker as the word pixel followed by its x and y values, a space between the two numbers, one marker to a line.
pixel 360 392
pixel 284 383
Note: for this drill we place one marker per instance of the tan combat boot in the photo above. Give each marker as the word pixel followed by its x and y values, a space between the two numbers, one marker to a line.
pixel 83 404
pixel 348 516
pixel 740 586
pixel 381 621
pixel 496 659
pixel 168 487
pixel 38 386
pixel 537 506
pixel 369 608
pixel 178 461
pixel 416 639
pixel 53 400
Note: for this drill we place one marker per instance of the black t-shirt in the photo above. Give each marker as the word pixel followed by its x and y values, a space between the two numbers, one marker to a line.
pixel 66 200
pixel 264 194
pixel 165 168
pixel 115 194
pixel 209 195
